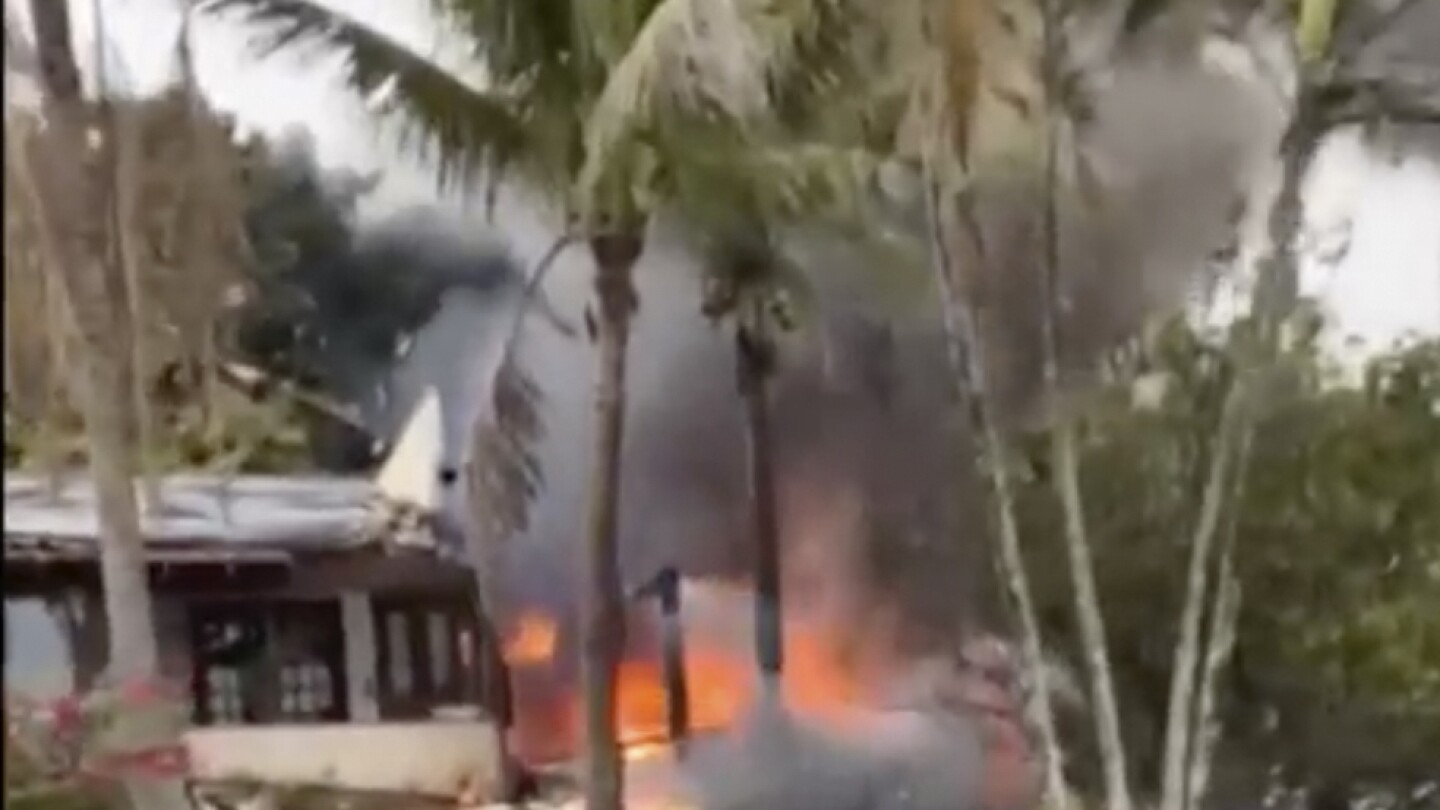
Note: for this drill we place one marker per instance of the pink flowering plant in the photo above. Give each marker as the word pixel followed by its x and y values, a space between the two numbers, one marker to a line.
pixel 89 740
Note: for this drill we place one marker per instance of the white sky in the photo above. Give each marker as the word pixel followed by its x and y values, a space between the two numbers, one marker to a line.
pixel 1386 286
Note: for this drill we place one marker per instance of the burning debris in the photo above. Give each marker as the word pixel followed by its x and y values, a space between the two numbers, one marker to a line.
pixel 920 734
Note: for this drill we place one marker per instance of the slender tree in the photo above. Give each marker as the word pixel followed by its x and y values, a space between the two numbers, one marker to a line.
pixel 743 288
pixel 1326 93
pixel 74 190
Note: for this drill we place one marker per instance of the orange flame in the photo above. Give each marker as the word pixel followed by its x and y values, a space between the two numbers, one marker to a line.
pixel 721 684
pixel 534 641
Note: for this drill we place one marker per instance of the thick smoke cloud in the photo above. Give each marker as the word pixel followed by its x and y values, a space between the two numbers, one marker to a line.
pixel 882 518
pixel 1173 151
pixel 867 440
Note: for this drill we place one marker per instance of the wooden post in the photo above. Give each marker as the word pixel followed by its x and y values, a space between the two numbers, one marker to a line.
pixel 665 588
pixel 677 690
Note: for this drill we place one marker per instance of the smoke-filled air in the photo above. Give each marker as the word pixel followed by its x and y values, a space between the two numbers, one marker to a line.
pixel 727 405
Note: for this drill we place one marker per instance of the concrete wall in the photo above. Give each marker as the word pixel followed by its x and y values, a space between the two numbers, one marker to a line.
pixel 430 758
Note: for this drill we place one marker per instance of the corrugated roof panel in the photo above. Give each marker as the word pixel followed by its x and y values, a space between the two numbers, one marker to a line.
pixel 260 510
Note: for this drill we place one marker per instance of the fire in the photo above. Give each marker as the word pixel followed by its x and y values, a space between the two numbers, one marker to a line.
pixel 534 642
pixel 721 684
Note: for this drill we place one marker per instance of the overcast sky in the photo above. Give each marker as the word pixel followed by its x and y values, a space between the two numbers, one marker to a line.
pixel 1388 283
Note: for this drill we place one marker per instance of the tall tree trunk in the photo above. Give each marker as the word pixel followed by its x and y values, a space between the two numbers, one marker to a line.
pixel 1092 621
pixel 603 618
pixel 1220 645
pixel 964 353
pixel 74 190
pixel 123 135
pixel 1274 298
pixel 1065 461
pixel 755 358
pixel 1179 713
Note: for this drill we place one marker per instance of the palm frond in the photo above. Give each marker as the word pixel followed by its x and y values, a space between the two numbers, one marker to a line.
pixel 504 474
pixel 701 64
pixel 539 41
pixel 725 177
pixel 467 127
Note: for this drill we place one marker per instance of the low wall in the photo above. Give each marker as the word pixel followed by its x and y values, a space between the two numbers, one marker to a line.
pixel 433 758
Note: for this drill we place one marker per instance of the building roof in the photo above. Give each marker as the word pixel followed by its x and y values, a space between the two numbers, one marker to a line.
pixel 241 516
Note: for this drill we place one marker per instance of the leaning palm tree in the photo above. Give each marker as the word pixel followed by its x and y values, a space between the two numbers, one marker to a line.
pixel 549 100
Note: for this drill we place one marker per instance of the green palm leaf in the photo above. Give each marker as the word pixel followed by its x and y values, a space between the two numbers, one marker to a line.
pixel 466 126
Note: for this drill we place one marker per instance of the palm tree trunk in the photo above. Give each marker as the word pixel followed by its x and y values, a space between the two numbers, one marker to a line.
pixel 123 135
pixel 1064 454
pixel 964 350
pixel 603 617
pixel 74 188
pixel 755 358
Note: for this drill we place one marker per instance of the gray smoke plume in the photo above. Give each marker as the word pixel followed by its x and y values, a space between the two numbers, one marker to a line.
pixel 1172 151
pixel 861 408
pixel 882 519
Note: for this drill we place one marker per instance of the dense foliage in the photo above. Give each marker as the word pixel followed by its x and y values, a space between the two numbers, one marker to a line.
pixel 1337 540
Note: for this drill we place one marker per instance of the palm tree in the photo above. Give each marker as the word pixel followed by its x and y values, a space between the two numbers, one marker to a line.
pixel 72 186
pixel 743 286
pixel 592 104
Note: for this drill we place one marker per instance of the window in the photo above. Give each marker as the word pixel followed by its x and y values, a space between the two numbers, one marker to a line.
pixel 420 656
pixel 441 647
pixel 397 639
pixel 267 662
pixel 224 700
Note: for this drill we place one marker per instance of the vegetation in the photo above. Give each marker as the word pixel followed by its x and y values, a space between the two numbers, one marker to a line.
pixel 178 299
pixel 1344 623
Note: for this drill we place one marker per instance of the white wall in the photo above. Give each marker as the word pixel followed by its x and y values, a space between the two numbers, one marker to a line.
pixel 357 621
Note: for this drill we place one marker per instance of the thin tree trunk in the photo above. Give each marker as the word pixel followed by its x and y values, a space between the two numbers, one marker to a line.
pixel 1274 298
pixel 122 134
pixel 603 617
pixel 1179 713
pixel 754 350
pixel 964 351
pixel 1224 616
pixel 1092 622
pixel 75 199
pixel 1064 455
